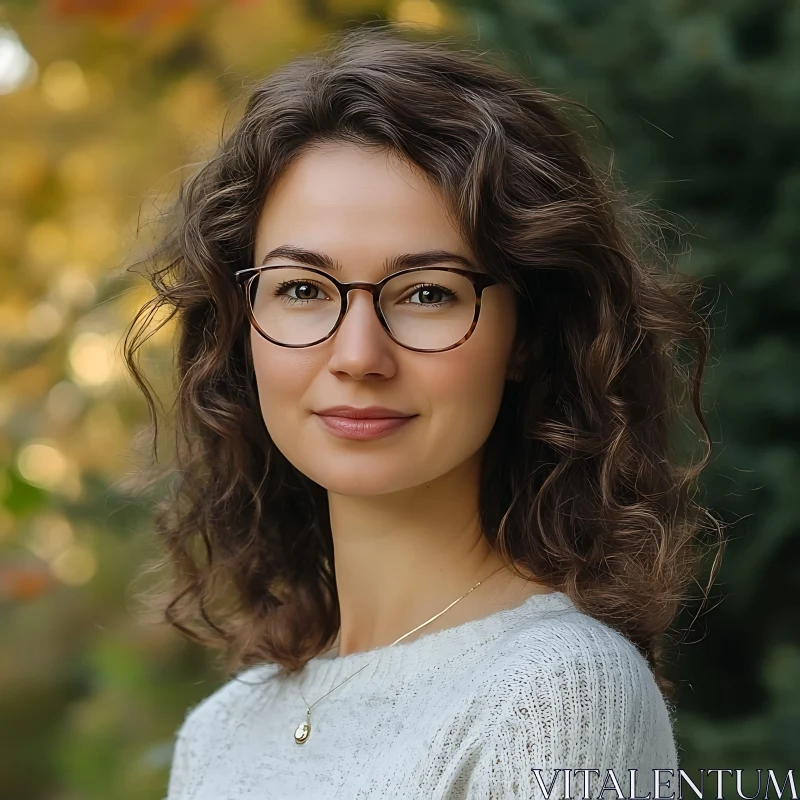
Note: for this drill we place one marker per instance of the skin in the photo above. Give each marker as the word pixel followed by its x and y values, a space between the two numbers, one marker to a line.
pixel 403 508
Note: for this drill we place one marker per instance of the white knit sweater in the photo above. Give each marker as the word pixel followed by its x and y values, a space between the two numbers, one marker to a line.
pixel 465 713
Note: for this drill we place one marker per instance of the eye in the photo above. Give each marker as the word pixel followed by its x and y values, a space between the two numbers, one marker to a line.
pixel 434 295
pixel 305 290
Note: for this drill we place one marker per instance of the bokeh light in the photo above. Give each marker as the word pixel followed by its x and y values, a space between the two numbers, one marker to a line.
pixel 43 464
pixel 64 86
pixel 50 535
pixel 17 67
pixel 93 359
pixel 75 566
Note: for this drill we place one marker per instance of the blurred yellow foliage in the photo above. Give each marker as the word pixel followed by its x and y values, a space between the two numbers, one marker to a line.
pixel 418 12
pixel 23 168
pixel 122 99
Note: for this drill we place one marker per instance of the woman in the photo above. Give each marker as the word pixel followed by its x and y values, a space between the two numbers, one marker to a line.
pixel 427 382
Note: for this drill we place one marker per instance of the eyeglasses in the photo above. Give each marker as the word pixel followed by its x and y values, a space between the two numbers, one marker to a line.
pixel 302 306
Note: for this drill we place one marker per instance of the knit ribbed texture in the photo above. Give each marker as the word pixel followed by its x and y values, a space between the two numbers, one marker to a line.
pixel 464 713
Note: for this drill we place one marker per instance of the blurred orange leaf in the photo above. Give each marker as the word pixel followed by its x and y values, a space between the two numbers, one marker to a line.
pixel 24 582
pixel 142 12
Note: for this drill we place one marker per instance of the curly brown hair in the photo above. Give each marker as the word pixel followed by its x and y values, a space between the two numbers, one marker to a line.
pixel 582 483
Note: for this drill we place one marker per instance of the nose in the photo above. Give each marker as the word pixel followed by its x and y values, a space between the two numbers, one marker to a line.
pixel 361 346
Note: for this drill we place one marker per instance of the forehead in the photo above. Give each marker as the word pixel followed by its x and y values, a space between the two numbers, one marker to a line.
pixel 356 204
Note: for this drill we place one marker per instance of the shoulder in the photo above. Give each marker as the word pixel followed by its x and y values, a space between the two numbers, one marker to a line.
pixel 223 704
pixel 583 687
pixel 570 693
pixel 204 722
pixel 569 647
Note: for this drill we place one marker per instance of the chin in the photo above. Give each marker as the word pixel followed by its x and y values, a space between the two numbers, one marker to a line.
pixel 363 482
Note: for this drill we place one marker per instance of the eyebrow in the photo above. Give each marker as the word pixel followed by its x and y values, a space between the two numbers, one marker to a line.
pixel 398 262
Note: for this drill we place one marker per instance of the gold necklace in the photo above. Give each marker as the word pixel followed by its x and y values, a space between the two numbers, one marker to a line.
pixel 303 730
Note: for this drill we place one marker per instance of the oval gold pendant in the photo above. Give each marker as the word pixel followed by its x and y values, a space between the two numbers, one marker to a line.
pixel 302 732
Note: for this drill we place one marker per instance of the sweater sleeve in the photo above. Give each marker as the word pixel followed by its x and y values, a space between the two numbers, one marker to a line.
pixel 595 708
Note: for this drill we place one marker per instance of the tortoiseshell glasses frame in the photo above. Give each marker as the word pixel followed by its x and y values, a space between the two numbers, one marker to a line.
pixel 245 277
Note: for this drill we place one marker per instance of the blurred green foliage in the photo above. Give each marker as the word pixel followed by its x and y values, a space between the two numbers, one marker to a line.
pixel 701 100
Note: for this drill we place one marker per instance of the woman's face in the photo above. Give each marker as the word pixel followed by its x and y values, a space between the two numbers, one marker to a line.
pixel 362 208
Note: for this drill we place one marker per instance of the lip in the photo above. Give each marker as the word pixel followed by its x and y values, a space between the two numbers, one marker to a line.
pixel 369 412
pixel 372 422
pixel 347 428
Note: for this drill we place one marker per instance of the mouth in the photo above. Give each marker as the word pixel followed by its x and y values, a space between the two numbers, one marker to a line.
pixel 348 427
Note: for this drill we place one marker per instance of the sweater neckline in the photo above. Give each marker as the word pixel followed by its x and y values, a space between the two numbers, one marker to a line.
pixel 430 647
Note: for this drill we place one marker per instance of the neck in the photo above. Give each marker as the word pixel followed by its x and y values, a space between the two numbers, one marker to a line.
pixel 403 557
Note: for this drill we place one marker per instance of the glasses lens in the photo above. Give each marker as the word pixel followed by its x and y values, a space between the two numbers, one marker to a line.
pixel 429 309
pixel 294 306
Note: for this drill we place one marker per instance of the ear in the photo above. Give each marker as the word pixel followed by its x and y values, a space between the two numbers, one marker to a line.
pixel 526 349
pixel 516 364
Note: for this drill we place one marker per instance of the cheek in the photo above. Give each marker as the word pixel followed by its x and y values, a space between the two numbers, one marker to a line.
pixel 282 378
pixel 466 388
pixel 466 385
